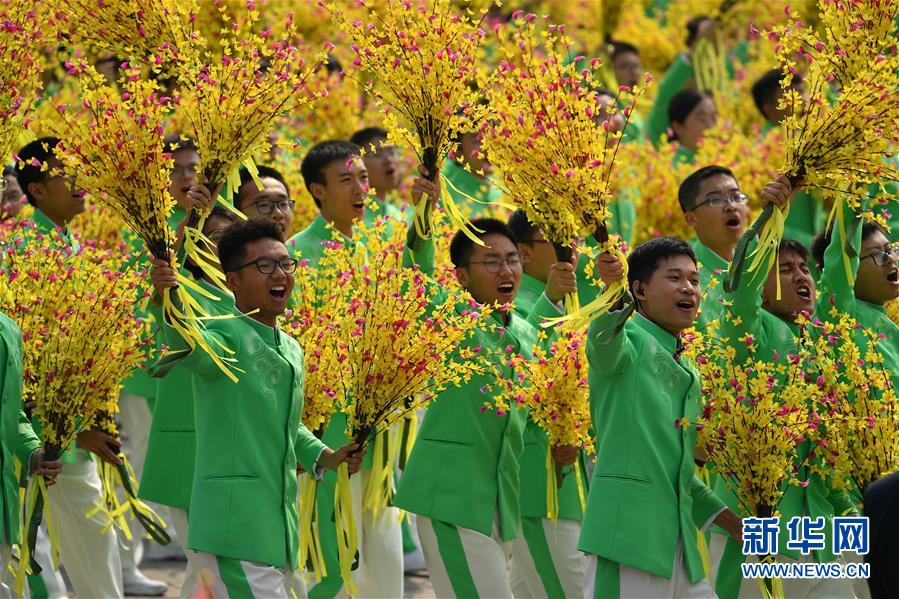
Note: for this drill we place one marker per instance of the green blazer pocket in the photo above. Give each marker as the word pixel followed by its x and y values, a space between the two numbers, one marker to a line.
pixel 626 478
pixel 230 477
pixel 447 441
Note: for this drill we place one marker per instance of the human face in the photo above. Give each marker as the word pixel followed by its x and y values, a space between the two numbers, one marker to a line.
pixel 719 228
pixel 342 197
pixel 488 287
pixel 385 172
pixel 267 293
pixel 703 116
pixel 777 115
pixel 670 298
pixel 57 196
pixel 537 255
pixel 12 198
pixel 877 284
pixel 797 288
pixel 627 68
pixel 184 174
pixel 271 203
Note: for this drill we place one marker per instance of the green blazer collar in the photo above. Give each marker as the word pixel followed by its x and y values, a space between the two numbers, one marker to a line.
pixel 321 229
pixel 45 225
pixel 216 291
pixel 271 336
pixel 529 289
pixel 708 258
pixel 666 340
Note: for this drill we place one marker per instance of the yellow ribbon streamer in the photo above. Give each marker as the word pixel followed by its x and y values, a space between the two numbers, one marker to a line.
pixel 347 540
pixel 310 545
pixel 602 304
pixel 379 490
pixel 552 488
pixel 768 248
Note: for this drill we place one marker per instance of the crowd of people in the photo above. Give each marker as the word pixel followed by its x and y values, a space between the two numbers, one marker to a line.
pixel 223 461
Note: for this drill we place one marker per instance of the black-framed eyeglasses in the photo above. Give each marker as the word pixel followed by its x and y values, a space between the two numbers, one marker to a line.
pixel 880 256
pixel 717 201
pixel 215 236
pixel 494 264
pixel 268 206
pixel 267 266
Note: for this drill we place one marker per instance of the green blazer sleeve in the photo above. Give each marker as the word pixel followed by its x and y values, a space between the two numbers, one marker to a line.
pixel 744 305
pixel 307 449
pixel 608 348
pixel 196 361
pixel 418 251
pixel 841 501
pixel 543 310
pixel 673 81
pixel 834 279
pixel 705 503
pixel 28 441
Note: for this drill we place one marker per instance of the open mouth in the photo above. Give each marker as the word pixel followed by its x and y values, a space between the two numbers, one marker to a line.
pixel 686 304
pixel 506 288
pixel 893 277
pixel 804 292
pixel 360 205
pixel 733 223
pixel 279 292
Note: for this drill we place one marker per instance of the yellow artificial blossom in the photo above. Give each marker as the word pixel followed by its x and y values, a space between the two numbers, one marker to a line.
pixel 421 58
pixel 21 39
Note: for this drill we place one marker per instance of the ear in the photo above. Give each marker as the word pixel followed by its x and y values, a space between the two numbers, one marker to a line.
pixel 462 276
pixel 232 281
pixel 37 190
pixel 690 219
pixel 678 128
pixel 638 290
pixel 524 250
pixel 318 191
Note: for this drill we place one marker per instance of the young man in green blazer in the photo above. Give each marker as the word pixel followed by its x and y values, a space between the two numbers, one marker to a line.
pixel 545 558
pixel 18 443
pixel 645 503
pixel 714 207
pixel 336 177
pixel 250 439
pixel 462 479
pixel 756 310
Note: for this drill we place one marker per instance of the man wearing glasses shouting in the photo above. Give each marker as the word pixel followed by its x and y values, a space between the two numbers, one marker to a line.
pixel 272 202
pixel 715 208
pixel 243 509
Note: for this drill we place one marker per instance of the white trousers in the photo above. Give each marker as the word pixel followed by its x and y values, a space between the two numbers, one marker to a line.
pixel 88 547
pixel 639 584
pixel 821 588
pixel 230 578
pixel 53 582
pixel 380 572
pixel 464 563
pixel 179 522
pixel 6 579
pixel 546 560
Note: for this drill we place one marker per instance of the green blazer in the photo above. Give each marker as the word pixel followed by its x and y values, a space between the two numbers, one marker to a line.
pixel 712 268
pixel 464 466
pixel 249 441
pixel 466 184
pixel 674 80
pixel 644 497
pixel 17 438
pixel 532 304
pixel 168 472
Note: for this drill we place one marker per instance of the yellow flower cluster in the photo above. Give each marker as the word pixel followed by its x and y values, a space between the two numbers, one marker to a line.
pixel 757 415
pixel 99 223
pixel 865 441
pixel 20 69
pixel 419 63
pixel 81 337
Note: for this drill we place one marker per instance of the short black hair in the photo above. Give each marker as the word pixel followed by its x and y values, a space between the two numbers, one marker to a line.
pixel 793 246
pixel 619 48
pixel 232 246
pixel 822 240
pixel 31 158
pixel 645 259
pixel 263 172
pixel 521 227
pixel 689 187
pixel 682 104
pixel 366 137
pixel 320 156
pixel 461 247
pixel 217 211
pixel 693 27
pixel 177 143
pixel 765 88
pixel 9 170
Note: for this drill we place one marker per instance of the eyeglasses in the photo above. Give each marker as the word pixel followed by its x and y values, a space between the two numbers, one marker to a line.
pixel 717 201
pixel 880 256
pixel 494 264
pixel 268 206
pixel 267 266
pixel 215 236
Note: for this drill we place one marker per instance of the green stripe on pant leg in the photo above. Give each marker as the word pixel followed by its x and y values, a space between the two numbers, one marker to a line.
pixel 36 586
pixel 607 584
pixel 452 554
pixel 234 578
pixel 538 546
pixel 408 541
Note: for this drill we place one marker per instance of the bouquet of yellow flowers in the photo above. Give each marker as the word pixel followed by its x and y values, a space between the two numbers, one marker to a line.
pixel 117 155
pixel 547 133
pixel 20 69
pixel 556 391
pixel 422 60
pixel 865 443
pixel 80 340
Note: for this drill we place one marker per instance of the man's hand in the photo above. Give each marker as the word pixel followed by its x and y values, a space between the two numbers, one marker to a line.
pixel 779 192
pixel 565 455
pixel 199 198
pixel 331 459
pixel 560 281
pixel 162 275
pixel 732 524
pixel 101 445
pixel 49 469
pixel 610 268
